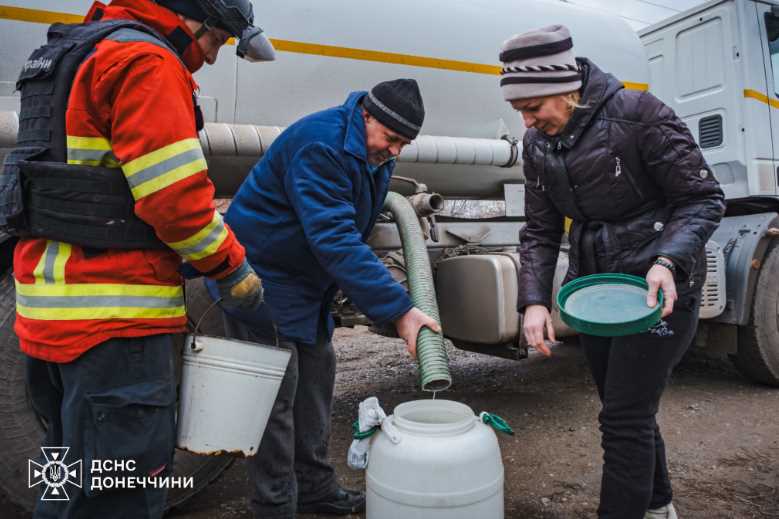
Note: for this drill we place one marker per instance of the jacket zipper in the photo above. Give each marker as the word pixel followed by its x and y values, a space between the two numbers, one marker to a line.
pixel 628 176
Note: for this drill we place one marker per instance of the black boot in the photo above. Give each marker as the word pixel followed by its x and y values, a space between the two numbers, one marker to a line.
pixel 340 502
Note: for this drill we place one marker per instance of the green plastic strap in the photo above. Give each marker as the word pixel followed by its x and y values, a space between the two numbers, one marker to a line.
pixel 357 434
pixel 496 422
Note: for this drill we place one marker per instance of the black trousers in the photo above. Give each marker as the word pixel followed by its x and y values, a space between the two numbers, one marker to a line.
pixel 631 373
pixel 291 464
pixel 115 402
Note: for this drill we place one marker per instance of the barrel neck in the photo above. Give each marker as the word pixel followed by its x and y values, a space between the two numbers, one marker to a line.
pixel 434 417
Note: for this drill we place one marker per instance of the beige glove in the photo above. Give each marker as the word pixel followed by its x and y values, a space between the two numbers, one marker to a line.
pixel 242 288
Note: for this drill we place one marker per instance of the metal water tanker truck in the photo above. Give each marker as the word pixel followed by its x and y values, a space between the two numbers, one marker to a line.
pixel 470 150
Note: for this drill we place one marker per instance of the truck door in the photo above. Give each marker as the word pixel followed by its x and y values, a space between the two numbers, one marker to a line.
pixel 768 19
pixel 700 66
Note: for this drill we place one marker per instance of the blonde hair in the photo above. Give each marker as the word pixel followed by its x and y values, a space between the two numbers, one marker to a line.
pixel 573 100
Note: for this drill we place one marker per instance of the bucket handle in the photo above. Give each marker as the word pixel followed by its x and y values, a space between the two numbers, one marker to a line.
pixel 193 345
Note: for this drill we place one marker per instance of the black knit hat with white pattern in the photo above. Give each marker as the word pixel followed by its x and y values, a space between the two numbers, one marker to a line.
pixel 397 105
pixel 539 63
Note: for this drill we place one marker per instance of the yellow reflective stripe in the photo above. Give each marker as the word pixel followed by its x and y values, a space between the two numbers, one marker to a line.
pixel 51 267
pixel 88 143
pixel 59 263
pixel 98 301
pixel 100 289
pixel 90 151
pixel 157 156
pixel 171 177
pixel 75 314
pixel 108 160
pixel 203 243
pixel 163 167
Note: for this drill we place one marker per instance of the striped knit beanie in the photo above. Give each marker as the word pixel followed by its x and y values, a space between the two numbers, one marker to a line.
pixel 539 63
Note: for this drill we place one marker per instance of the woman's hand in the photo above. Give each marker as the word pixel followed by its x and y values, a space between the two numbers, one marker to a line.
pixel 536 320
pixel 661 277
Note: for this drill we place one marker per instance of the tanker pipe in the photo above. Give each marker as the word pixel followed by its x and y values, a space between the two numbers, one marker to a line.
pixel 242 140
pixel 237 140
pixel 436 149
pixel 431 353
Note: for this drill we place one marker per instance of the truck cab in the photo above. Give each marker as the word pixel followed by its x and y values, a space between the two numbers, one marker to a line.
pixel 717 66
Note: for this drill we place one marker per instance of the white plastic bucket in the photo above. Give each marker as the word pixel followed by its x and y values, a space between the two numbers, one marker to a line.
pixel 228 388
pixel 444 464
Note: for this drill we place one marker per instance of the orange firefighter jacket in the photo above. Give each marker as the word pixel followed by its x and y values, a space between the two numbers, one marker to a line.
pixel 131 106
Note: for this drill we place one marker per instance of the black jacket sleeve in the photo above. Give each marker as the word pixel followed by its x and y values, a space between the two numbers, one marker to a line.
pixel 674 161
pixel 539 239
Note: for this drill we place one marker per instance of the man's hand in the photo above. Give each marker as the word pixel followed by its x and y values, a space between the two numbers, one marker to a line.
pixel 408 327
pixel 661 277
pixel 242 288
pixel 537 319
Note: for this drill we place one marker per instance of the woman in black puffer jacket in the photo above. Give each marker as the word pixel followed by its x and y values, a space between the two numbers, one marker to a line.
pixel 643 201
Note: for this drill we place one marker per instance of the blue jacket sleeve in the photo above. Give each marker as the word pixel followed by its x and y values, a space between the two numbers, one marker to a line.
pixel 320 191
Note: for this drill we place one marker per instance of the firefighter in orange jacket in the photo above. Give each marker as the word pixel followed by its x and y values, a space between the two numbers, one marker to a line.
pixel 99 297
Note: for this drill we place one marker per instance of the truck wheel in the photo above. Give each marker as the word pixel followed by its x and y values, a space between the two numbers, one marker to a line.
pixel 21 431
pixel 758 342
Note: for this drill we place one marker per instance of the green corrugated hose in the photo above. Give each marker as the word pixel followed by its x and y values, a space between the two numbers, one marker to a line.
pixel 431 354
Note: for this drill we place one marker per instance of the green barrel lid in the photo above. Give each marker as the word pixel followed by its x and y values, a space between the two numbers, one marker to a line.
pixel 608 305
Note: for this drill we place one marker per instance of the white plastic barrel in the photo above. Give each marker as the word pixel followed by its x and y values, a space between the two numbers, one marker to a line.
pixel 447 465
pixel 228 388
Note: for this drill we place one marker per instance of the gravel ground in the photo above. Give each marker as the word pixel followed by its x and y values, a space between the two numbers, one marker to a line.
pixel 721 431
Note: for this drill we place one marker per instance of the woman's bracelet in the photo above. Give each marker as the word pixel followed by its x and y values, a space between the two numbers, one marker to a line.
pixel 665 263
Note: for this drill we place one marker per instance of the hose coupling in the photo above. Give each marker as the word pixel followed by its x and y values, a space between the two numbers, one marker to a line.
pixel 427 204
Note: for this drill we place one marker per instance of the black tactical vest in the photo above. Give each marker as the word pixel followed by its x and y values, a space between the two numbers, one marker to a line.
pixel 40 194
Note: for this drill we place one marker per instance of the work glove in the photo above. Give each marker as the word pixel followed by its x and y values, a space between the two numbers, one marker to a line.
pixel 241 289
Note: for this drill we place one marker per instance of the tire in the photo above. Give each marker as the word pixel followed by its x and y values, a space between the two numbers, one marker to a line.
pixel 758 342
pixel 21 432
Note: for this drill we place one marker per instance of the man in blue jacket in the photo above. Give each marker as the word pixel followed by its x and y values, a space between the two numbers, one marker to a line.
pixel 303 214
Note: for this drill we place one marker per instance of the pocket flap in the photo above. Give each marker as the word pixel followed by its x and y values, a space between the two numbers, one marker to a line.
pixel 157 394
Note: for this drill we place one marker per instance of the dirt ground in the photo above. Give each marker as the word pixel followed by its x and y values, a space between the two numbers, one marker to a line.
pixel 722 432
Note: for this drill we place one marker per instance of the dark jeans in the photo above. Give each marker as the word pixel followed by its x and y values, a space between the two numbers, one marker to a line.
pixel 291 465
pixel 115 402
pixel 631 373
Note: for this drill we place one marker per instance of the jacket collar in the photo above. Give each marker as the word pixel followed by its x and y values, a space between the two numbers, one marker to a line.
pixel 354 139
pixel 163 20
pixel 598 87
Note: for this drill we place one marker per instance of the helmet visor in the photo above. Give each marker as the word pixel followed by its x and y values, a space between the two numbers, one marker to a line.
pixel 254 46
